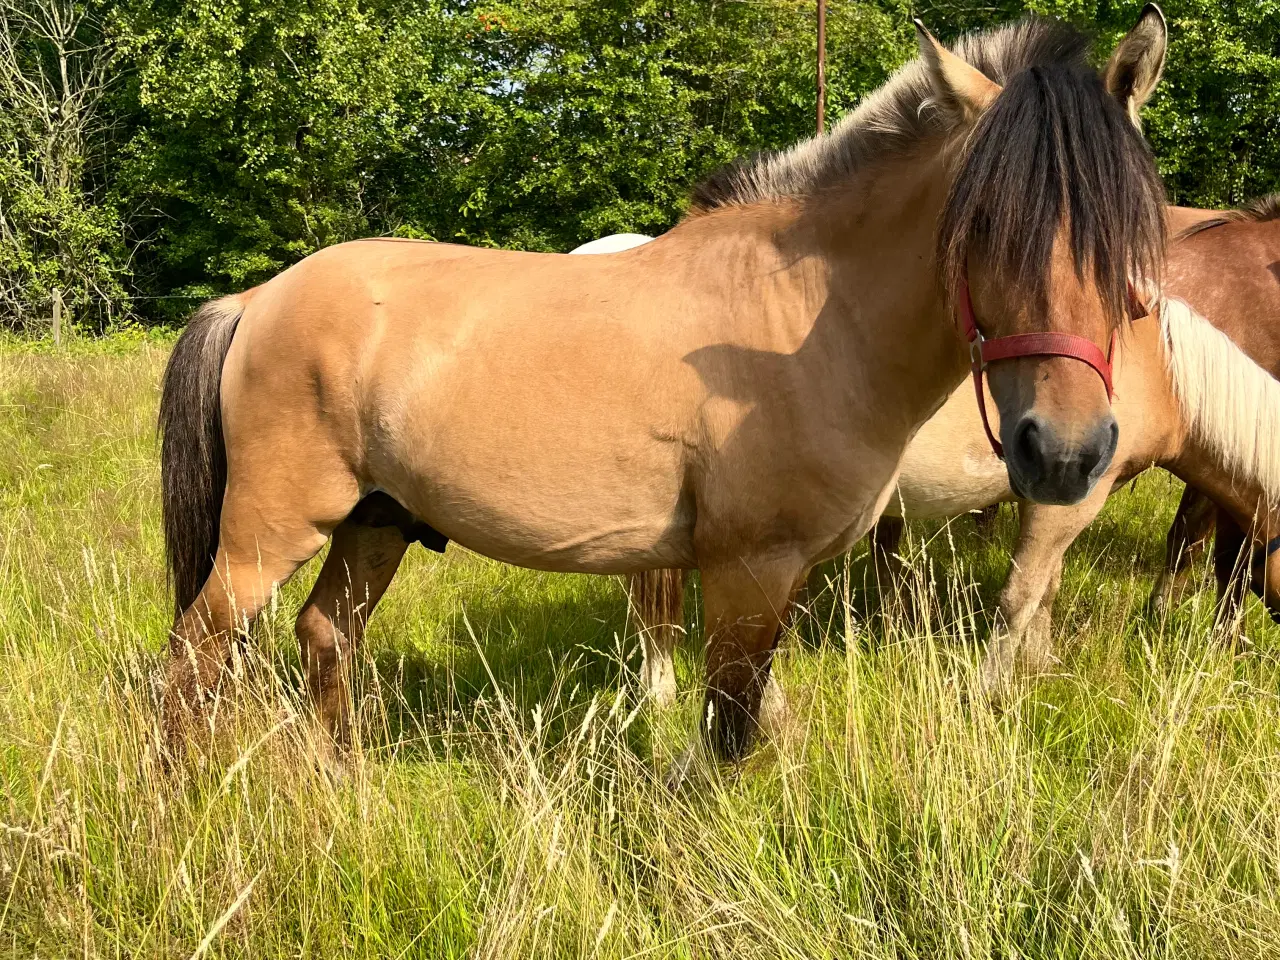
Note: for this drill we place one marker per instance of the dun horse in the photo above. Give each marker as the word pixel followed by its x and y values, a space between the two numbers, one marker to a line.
pixel 1187 399
pixel 734 396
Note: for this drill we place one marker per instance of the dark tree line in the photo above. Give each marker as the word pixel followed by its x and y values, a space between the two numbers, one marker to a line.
pixel 154 151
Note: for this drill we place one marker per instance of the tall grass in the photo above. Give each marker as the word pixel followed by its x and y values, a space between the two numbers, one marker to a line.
pixel 505 797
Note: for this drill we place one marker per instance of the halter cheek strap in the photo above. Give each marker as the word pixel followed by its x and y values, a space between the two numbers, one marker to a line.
pixel 983 351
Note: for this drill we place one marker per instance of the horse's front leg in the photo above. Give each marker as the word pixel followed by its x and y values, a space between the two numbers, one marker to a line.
pixel 744 602
pixel 1189 535
pixel 1043 538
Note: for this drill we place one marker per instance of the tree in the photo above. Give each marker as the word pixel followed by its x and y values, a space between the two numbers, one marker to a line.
pixel 157 149
pixel 55 231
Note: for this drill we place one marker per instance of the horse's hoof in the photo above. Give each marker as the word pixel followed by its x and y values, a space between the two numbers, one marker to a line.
pixel 331 759
pixel 1161 601
pixel 996 684
pixel 336 771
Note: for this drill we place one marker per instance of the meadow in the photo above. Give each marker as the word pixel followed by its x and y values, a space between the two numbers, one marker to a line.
pixel 505 796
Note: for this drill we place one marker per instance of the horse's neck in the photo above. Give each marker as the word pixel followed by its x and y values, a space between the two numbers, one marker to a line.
pixel 883 267
pixel 845 284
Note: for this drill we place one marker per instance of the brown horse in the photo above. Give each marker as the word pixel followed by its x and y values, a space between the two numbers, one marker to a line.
pixel 734 396
pixel 1239 564
pixel 1227 445
pixel 1187 399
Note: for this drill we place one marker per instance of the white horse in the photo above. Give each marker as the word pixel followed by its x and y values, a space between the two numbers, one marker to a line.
pixel 613 243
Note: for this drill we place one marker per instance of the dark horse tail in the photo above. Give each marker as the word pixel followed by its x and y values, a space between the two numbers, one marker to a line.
pixel 193 455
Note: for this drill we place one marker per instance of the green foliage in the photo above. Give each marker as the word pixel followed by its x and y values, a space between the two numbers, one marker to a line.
pixel 57 238
pixel 1216 124
pixel 230 139
pixel 59 231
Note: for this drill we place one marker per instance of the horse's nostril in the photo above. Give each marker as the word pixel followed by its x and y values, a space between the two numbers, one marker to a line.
pixel 1100 450
pixel 1088 461
pixel 1026 442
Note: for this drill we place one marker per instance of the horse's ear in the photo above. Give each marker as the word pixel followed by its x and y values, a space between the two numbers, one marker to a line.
pixel 1135 66
pixel 959 87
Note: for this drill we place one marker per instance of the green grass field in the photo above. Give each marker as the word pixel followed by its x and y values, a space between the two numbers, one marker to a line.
pixel 506 797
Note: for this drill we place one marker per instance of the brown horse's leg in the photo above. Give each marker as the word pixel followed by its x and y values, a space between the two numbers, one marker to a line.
pixel 1245 524
pixel 657 610
pixel 273 520
pixel 358 570
pixel 1189 535
pixel 1265 576
pixel 1045 534
pixel 1037 648
pixel 744 603
pixel 1230 568
pixel 985 519
pixel 885 538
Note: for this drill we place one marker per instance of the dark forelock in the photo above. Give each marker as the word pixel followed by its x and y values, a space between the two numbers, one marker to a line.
pixel 1055 150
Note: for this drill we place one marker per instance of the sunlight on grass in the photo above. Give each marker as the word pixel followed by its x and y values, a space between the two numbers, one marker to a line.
pixel 505 798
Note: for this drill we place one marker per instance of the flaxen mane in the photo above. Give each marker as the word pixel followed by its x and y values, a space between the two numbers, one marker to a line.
pixel 1231 403
pixel 1053 149
pixel 1255 211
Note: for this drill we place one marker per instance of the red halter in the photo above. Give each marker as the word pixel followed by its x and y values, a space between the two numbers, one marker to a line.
pixel 983 351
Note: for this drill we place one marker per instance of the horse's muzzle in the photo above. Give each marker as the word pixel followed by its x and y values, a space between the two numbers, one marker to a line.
pixel 1044 468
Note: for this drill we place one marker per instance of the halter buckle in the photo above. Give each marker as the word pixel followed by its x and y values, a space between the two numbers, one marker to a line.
pixel 976 360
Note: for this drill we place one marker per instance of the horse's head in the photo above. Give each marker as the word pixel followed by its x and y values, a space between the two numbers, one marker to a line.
pixel 1054 211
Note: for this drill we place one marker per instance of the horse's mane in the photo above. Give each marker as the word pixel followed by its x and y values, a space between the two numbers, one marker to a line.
pixel 1055 148
pixel 888 122
pixel 1255 211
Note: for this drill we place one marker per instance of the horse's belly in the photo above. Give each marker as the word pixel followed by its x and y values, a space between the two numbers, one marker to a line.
pixel 599 530
pixel 558 453
pixel 584 500
pixel 933 497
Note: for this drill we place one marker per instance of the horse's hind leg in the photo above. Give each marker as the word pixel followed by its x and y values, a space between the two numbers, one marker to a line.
pixel 657 608
pixel 264 539
pixel 1189 535
pixel 357 572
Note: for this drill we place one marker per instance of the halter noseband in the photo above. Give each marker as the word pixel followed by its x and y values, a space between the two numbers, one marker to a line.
pixel 983 351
